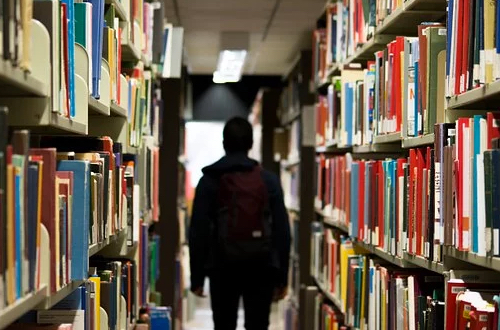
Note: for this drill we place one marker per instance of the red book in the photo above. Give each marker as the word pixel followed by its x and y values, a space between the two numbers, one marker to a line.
pixel 463 123
pixel 326 197
pixel 459 46
pixel 361 201
pixel 380 206
pixel 398 89
pixel 411 204
pixel 347 199
pixel 420 200
pixel 425 219
pixel 373 199
pixel 493 122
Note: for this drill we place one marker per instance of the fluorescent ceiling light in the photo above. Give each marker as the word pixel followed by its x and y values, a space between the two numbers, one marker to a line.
pixel 230 66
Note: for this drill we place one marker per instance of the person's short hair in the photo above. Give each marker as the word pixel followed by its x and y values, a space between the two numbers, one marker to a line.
pixel 238 135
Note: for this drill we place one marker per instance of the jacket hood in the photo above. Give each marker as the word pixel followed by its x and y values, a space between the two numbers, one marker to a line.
pixel 229 163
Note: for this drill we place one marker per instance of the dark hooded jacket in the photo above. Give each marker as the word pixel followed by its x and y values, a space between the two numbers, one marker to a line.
pixel 204 209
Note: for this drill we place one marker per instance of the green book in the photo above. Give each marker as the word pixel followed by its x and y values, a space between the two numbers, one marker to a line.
pixel 436 55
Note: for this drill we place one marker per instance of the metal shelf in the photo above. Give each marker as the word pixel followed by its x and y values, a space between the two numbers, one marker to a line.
pixel 130 52
pixel 11 313
pixel 329 295
pixel 97 247
pixel 118 111
pixel 335 224
pixel 424 140
pixel 424 263
pixel 395 260
pixel 16 82
pixel 53 299
pixel 404 20
pixel 375 148
pixel 387 138
pixel 367 50
pixel 97 107
pixel 472 258
pixel 477 99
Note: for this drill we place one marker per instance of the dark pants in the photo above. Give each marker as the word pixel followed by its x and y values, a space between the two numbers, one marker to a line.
pixel 228 285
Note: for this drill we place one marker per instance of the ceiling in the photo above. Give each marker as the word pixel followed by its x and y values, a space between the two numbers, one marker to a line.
pixel 269 54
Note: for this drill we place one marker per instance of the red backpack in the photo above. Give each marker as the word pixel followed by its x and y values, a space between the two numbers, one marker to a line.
pixel 243 217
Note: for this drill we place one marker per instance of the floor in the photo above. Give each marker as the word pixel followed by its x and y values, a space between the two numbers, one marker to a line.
pixel 203 317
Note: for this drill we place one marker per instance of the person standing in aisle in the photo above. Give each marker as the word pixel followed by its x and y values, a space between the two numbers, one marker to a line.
pixel 239 235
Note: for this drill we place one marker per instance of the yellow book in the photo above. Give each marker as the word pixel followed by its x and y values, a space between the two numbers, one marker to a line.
pixel 11 278
pixel 97 292
pixel 346 249
pixel 489 38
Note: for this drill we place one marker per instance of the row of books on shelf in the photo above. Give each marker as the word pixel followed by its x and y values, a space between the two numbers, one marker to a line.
pixel 369 294
pixel 99 34
pixel 445 195
pixel 402 90
pixel 349 25
pixel 79 191
pixel 474 45
pixel 111 296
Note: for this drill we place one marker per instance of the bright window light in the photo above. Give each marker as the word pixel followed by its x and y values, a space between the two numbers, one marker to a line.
pixel 230 66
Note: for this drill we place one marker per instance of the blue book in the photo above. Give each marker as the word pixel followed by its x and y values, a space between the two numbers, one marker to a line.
pixel 97 37
pixel 71 54
pixel 387 202
pixel 393 168
pixel 477 150
pixel 33 171
pixel 160 318
pixel 63 223
pixel 18 230
pixel 81 215
pixel 354 198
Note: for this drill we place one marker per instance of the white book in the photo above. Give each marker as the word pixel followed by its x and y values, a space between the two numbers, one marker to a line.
pixel 481 206
pixel 411 302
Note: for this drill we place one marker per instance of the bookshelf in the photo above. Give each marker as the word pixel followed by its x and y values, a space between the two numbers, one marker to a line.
pixel 351 205
pixel 88 135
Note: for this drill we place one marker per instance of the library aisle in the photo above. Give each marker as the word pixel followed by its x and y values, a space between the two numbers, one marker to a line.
pixel 203 317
